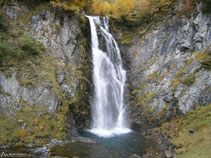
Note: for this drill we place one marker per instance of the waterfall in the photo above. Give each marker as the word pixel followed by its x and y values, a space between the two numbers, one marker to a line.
pixel 108 109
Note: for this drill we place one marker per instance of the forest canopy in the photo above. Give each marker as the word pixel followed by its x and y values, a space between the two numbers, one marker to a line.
pixel 129 10
pixel 118 9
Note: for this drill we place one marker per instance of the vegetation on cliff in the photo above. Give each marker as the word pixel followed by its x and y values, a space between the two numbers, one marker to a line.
pixel 29 124
pixel 16 44
pixel 33 65
pixel 130 10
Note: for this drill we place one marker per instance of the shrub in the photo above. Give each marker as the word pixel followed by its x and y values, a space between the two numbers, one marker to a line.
pixel 29 45
pixel 9 51
pixel 71 5
pixel 3 26
pixel 205 6
pixel 3 23
pixel 3 47
pixel 25 47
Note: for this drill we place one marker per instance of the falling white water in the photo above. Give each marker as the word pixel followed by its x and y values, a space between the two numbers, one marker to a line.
pixel 108 110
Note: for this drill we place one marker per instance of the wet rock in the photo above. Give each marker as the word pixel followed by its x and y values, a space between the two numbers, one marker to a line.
pixel 30 145
pixel 56 142
pixel 169 154
pixel 84 140
pixel 135 156
pixel 43 151
pixel 72 130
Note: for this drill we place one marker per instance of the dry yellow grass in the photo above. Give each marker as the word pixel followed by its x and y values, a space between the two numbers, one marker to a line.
pixel 191 134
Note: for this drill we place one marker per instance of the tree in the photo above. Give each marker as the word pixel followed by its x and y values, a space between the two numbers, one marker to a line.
pixel 106 9
pixel 121 9
pixel 70 4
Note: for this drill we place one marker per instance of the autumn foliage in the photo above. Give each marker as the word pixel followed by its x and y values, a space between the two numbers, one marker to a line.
pixel 71 4
pixel 129 10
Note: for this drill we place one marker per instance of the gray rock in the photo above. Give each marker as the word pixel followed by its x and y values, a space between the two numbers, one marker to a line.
pixel 62 41
pixel 14 10
pixel 162 53
pixel 205 99
pixel 135 156
pixel 40 95
pixel 169 154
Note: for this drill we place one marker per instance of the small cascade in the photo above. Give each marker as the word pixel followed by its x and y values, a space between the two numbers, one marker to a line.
pixel 108 108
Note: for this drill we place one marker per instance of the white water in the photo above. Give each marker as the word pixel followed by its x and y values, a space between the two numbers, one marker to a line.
pixel 108 110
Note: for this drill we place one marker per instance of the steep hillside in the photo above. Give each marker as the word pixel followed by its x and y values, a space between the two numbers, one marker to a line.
pixel 45 74
pixel 169 66
pixel 169 63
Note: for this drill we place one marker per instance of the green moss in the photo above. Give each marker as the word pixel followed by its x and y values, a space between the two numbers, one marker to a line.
pixel 152 76
pixel 127 38
pixel 189 80
pixel 27 83
pixel 129 33
pixel 202 56
pixel 37 124
pixel 205 59
pixel 161 114
pixel 176 81
pixel 140 100
pixel 174 84
pixel 149 96
pixel 206 64
pixel 58 27
pixel 187 144
pixel 143 98
pixel 49 74
pixel 180 73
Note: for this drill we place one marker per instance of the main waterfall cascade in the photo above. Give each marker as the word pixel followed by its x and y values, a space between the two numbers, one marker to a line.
pixel 108 109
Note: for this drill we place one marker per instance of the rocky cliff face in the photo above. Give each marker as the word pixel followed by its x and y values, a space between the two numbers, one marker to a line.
pixel 169 69
pixel 58 80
